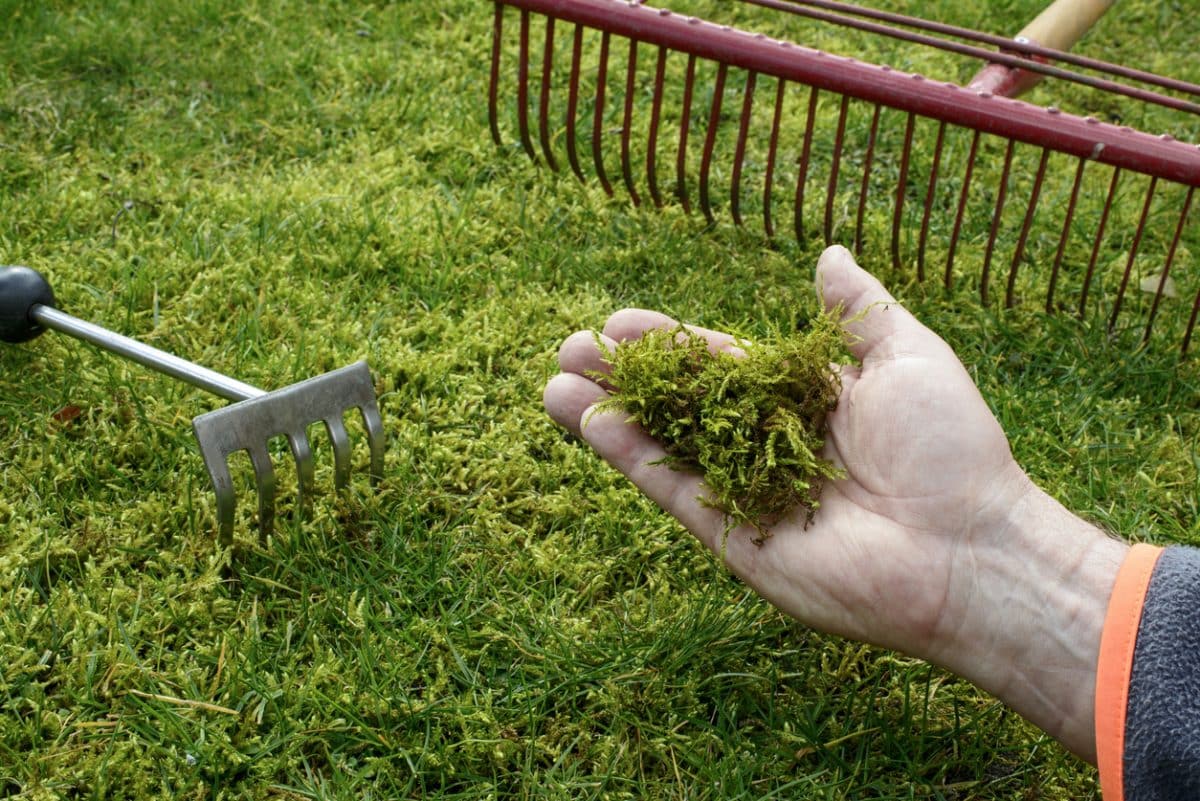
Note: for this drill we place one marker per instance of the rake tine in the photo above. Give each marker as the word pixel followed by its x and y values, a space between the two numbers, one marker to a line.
pixel 685 119
pixel 660 71
pixel 1191 326
pixel 1034 196
pixel 494 79
pixel 523 88
pixel 831 190
pixel 222 482
pixel 1001 195
pixel 1133 251
pixel 544 96
pixel 340 441
pixel 627 122
pixel 1108 204
pixel 929 195
pixel 264 479
pixel 962 207
pixel 598 119
pixel 710 140
pixel 373 424
pixel 739 154
pixel 1066 235
pixel 866 181
pixel 305 472
pixel 772 149
pixel 902 190
pixel 573 101
pixel 802 172
pixel 1162 281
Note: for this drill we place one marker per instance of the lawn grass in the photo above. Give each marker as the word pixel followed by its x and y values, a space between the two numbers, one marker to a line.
pixel 278 189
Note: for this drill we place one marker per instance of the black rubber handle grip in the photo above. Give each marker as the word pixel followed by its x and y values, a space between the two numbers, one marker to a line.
pixel 21 288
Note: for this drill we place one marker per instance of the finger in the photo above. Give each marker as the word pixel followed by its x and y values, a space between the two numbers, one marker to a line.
pixel 567 396
pixel 879 327
pixel 580 353
pixel 632 451
pixel 632 323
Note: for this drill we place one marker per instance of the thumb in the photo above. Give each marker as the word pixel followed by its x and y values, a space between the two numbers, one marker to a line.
pixel 879 327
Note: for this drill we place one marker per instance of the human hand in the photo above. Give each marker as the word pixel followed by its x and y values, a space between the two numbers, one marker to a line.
pixel 935 544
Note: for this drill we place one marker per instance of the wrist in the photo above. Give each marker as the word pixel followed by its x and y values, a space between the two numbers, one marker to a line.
pixel 1030 633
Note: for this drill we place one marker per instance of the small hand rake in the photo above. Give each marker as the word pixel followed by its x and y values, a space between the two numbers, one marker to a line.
pixel 27 308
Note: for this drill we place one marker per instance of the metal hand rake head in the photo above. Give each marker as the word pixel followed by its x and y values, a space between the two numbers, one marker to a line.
pixel 27 309
pixel 248 425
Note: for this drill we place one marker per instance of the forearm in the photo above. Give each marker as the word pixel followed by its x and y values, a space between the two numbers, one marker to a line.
pixel 1049 574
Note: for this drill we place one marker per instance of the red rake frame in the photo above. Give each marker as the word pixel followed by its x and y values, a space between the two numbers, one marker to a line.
pixel 1086 140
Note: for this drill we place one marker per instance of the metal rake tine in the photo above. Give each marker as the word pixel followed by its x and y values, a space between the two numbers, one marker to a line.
pixel 902 189
pixel 494 76
pixel 1030 209
pixel 868 160
pixel 710 140
pixel 772 152
pixel 685 121
pixel 573 101
pixel 222 482
pixel 964 195
pixel 1066 234
pixel 802 170
pixel 1166 271
pixel 1001 197
pixel 739 153
pixel 660 70
pixel 627 123
pixel 373 423
pixel 835 165
pixel 1133 252
pixel 264 480
pixel 544 96
pixel 923 237
pixel 1099 240
pixel 340 441
pixel 523 88
pixel 1191 326
pixel 305 469
pixel 598 116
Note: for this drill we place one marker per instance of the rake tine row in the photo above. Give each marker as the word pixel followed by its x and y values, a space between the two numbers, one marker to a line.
pixel 848 84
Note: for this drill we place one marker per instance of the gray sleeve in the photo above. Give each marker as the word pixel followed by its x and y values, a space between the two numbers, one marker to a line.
pixel 1162 720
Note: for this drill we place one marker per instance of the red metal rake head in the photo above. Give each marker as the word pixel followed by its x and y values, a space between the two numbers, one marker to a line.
pixel 954 182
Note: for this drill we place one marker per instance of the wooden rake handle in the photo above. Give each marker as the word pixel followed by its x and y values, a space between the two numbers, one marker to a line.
pixel 1059 26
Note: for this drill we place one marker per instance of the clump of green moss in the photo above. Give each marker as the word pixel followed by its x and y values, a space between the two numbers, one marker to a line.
pixel 753 424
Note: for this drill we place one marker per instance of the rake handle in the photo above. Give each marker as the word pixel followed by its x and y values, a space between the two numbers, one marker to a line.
pixel 27 309
pixel 1064 22
pixel 1059 26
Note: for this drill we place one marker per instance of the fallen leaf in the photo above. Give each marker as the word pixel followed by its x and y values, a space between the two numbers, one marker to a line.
pixel 1150 284
pixel 67 414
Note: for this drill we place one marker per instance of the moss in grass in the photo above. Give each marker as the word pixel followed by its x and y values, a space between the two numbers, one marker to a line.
pixel 752 422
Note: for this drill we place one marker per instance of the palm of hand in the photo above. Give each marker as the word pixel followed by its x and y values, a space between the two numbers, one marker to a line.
pixel 927 466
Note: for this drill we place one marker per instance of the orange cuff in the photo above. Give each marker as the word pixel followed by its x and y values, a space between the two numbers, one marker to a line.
pixel 1115 669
